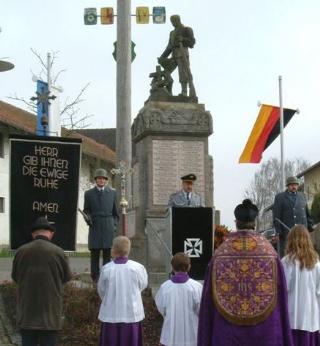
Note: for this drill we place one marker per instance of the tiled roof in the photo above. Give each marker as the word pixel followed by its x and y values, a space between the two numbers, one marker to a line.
pixel 25 121
pixel 316 165
pixel 102 136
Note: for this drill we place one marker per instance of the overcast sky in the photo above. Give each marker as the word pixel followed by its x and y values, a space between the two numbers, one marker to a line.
pixel 242 47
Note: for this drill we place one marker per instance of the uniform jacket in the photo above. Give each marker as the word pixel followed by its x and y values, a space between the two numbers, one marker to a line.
pixel 102 208
pixel 290 214
pixel 188 41
pixel 40 269
pixel 179 200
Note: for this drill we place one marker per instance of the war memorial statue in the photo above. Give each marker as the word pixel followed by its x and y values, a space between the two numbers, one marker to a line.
pixel 175 55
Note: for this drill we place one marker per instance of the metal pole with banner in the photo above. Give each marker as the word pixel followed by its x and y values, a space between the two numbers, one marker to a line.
pixel 44 181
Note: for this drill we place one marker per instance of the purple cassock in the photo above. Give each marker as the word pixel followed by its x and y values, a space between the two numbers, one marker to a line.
pixel 244 299
pixel 121 334
pixel 304 338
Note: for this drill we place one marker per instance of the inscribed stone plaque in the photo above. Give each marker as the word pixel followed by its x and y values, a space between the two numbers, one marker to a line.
pixel 131 223
pixel 171 160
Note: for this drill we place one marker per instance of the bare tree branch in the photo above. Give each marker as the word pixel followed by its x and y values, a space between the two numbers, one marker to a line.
pixel 54 80
pixel 30 104
pixel 70 111
pixel 76 101
pixel 42 63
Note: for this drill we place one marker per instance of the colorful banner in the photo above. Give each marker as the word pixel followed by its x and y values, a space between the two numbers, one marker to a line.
pixel 44 181
pixel 265 130
pixel 106 15
pixel 142 15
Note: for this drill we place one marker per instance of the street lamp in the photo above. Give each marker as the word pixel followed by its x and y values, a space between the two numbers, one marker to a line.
pixel 5 65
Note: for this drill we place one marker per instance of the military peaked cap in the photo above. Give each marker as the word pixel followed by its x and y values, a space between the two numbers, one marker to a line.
pixel 189 177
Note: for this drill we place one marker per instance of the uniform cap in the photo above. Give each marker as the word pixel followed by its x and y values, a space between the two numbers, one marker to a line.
pixel 189 177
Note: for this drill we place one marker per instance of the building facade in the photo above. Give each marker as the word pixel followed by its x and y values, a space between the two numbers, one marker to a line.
pixel 14 120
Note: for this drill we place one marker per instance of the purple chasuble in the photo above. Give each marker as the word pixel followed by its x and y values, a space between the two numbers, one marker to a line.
pixel 121 334
pixel 304 338
pixel 232 294
pixel 179 278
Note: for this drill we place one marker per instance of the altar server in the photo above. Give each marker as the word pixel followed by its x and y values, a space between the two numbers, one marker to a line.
pixel 178 301
pixel 302 270
pixel 119 287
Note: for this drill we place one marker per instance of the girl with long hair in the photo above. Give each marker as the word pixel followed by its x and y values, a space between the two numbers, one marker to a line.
pixel 302 271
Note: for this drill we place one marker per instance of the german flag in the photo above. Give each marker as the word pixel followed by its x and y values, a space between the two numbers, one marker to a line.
pixel 265 130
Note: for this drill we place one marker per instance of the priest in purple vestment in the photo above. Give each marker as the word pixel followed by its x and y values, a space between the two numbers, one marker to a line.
pixel 244 299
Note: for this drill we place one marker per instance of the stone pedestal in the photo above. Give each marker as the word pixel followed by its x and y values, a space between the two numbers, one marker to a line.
pixel 170 139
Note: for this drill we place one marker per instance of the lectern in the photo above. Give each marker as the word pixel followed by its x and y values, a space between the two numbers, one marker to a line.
pixel 192 233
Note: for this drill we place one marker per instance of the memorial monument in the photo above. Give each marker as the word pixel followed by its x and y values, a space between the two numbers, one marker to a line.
pixel 170 139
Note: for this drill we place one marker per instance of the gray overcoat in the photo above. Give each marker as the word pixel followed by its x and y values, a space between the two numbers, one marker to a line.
pixel 102 208
pixel 290 214
pixel 179 200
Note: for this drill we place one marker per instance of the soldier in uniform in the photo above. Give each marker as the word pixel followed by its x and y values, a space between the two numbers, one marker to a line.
pixel 180 40
pixel 100 204
pixel 290 208
pixel 186 197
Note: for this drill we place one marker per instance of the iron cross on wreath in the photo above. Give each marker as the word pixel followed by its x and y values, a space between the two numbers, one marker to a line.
pixel 193 247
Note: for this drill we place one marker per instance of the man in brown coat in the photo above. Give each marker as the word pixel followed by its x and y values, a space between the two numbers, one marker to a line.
pixel 40 269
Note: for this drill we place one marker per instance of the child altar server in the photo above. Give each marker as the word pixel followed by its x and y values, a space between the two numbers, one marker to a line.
pixel 302 270
pixel 119 287
pixel 178 301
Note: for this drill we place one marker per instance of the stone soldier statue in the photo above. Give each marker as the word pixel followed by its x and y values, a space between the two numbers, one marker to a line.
pixel 186 197
pixel 290 208
pixel 181 38
pixel 100 204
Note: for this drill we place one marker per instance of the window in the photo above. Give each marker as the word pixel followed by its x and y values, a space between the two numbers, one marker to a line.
pixel 1 145
pixel 1 204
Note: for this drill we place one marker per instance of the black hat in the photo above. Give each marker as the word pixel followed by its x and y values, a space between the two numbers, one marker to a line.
pixel 246 212
pixel 189 177
pixel 42 223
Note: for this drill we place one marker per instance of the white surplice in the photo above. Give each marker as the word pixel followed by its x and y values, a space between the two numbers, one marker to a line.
pixel 303 295
pixel 179 305
pixel 119 288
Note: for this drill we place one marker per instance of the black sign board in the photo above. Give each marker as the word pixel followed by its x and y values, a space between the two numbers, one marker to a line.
pixel 44 181
pixel 192 232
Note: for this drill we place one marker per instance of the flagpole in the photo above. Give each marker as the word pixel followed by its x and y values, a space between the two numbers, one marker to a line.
pixel 281 136
pixel 49 115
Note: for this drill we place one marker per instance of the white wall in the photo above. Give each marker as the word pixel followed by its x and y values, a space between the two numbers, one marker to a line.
pixel 84 184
